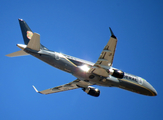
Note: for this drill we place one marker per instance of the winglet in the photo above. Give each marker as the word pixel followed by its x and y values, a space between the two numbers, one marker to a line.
pixel 35 89
pixel 112 34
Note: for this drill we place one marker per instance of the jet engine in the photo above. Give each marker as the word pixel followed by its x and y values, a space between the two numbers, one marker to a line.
pixel 116 73
pixel 92 91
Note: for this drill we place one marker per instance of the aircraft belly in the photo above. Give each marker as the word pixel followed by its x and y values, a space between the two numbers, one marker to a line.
pixel 108 82
pixel 52 60
pixel 95 79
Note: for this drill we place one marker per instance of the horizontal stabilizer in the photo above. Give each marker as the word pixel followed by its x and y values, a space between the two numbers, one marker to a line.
pixel 34 43
pixel 18 53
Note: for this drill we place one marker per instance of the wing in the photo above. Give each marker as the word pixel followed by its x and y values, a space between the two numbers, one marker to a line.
pixel 106 58
pixel 69 86
pixel 107 55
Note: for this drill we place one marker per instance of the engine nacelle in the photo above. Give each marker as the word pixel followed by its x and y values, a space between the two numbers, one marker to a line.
pixel 92 91
pixel 116 73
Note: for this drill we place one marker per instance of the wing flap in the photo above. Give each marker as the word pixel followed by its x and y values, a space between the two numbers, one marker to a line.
pixel 99 71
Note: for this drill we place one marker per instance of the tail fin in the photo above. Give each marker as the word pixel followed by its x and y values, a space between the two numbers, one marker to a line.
pixel 27 33
pixel 34 44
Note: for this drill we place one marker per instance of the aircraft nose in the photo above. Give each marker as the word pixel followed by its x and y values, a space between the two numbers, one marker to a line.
pixel 152 91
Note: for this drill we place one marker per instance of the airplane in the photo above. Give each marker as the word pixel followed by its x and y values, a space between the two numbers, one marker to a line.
pixel 87 73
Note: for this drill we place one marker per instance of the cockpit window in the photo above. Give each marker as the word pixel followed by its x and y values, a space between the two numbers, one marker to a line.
pixel 140 80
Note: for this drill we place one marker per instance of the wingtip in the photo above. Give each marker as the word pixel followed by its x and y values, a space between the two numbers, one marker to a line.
pixel 35 89
pixel 112 34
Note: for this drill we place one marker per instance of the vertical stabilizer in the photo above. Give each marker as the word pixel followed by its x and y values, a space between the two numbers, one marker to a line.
pixel 27 33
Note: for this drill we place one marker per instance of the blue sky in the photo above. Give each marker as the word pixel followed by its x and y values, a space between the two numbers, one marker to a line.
pixel 81 29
